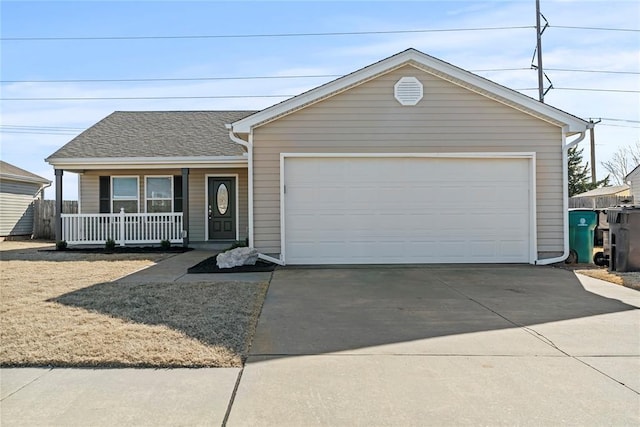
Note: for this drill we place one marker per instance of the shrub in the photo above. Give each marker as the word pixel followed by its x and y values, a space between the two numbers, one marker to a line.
pixel 239 244
pixel 110 245
pixel 61 245
pixel 165 245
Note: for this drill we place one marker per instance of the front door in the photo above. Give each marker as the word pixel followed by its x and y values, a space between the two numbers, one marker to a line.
pixel 222 208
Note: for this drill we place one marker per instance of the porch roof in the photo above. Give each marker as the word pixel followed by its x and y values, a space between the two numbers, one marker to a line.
pixel 155 134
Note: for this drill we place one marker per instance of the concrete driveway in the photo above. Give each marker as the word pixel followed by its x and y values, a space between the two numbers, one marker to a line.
pixel 455 345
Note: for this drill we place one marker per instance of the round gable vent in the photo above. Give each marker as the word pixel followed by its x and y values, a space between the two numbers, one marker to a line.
pixel 408 91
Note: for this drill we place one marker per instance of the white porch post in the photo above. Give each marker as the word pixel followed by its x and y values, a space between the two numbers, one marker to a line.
pixel 58 173
pixel 185 207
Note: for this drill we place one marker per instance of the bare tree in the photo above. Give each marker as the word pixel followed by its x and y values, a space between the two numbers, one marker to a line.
pixel 623 162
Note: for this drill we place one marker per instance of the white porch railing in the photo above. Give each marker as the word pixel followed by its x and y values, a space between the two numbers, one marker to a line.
pixel 123 228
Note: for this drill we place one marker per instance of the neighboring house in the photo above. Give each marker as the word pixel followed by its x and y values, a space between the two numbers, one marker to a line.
pixel 602 197
pixel 634 181
pixel 408 160
pixel 18 189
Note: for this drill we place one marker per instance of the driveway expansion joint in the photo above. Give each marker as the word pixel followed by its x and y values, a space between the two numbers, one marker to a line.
pixel 27 384
pixel 537 335
pixel 232 398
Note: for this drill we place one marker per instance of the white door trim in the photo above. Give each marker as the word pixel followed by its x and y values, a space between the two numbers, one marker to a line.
pixel 531 156
pixel 206 202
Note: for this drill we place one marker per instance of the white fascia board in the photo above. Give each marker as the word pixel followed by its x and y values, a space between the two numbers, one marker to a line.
pixel 21 178
pixel 433 66
pixel 466 155
pixel 148 162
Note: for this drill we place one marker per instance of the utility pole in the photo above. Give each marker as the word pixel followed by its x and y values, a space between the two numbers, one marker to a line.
pixel 592 134
pixel 539 51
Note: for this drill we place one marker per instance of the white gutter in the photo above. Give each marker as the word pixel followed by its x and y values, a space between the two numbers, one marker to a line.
pixel 22 178
pixel 42 188
pixel 565 197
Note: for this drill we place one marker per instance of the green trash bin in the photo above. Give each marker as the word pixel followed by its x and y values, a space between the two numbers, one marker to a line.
pixel 582 224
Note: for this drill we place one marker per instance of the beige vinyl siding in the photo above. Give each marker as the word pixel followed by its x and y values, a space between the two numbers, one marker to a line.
pixel 16 207
pixel 635 187
pixel 89 194
pixel 368 119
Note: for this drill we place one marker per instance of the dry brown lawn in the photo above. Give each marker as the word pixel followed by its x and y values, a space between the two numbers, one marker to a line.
pixel 64 309
pixel 630 280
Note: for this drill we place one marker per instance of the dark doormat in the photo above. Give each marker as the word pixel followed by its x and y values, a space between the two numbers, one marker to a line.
pixel 209 266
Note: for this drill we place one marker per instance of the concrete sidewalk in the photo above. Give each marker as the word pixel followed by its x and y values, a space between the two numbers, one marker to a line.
pixel 383 346
pixel 115 397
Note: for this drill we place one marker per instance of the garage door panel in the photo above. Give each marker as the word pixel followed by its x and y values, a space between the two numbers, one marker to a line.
pixel 398 210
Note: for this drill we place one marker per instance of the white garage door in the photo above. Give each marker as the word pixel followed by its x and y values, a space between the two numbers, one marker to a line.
pixel 362 210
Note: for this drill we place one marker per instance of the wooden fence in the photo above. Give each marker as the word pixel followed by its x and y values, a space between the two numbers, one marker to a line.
pixel 599 202
pixel 44 216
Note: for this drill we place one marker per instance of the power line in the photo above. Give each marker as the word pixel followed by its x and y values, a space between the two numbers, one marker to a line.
pixel 171 79
pixel 593 71
pixel 583 89
pixel 619 126
pixel 598 90
pixel 568 27
pixel 65 130
pixel 34 132
pixel 18 127
pixel 306 76
pixel 145 98
pixel 318 34
pixel 39 130
pixel 69 133
pixel 255 96
pixel 619 120
pixel 264 35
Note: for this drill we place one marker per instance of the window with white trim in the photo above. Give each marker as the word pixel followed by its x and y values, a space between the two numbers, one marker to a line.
pixel 159 193
pixel 124 194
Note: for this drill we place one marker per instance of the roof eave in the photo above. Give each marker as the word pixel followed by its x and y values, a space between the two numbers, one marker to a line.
pixel 146 162
pixel 21 178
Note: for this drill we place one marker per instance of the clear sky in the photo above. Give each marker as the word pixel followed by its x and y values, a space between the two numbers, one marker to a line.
pixel 119 40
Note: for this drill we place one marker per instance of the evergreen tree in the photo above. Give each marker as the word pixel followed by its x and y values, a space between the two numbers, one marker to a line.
pixel 579 176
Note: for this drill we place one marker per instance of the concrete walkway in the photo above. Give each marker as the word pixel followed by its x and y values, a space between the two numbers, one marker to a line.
pixel 174 269
pixel 382 346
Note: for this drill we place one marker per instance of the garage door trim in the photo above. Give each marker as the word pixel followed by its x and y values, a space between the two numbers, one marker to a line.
pixel 531 156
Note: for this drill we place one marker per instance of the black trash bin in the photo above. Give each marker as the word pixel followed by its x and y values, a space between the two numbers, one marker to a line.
pixel 624 238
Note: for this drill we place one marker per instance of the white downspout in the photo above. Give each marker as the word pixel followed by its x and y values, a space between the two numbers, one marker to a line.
pixel 565 197
pixel 249 146
pixel 40 192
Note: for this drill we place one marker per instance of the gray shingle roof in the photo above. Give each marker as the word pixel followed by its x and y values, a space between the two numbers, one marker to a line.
pixel 156 134
pixel 603 191
pixel 7 170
